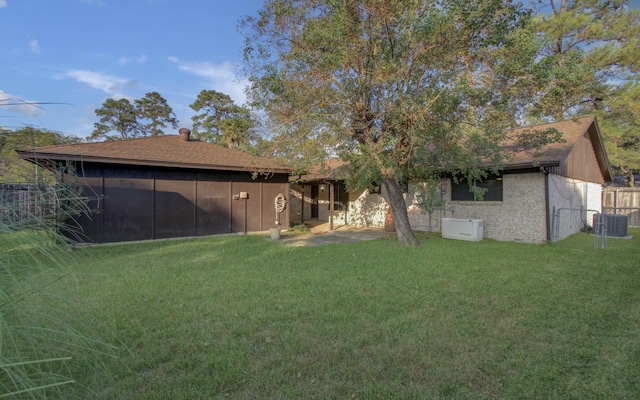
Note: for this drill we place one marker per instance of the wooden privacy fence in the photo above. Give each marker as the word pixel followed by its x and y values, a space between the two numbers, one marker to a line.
pixel 624 201
pixel 21 204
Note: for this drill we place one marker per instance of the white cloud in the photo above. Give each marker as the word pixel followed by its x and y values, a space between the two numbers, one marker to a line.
pixel 34 46
pixel 126 60
pixel 220 77
pixel 3 3
pixel 107 83
pixel 94 2
pixel 29 108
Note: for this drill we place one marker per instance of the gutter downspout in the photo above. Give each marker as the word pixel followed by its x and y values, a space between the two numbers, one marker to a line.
pixel 547 201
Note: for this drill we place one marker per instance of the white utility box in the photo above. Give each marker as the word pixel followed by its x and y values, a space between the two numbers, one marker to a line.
pixel 462 229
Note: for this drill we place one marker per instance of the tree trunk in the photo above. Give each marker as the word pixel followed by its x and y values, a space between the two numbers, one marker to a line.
pixel 631 181
pixel 399 209
pixel 389 224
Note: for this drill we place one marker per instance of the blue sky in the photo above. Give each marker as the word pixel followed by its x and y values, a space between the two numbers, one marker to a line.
pixel 82 52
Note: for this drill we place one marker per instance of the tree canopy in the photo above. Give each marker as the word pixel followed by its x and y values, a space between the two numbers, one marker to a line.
pixel 400 89
pixel 154 109
pixel 588 64
pixel 143 117
pixel 15 170
pixel 220 120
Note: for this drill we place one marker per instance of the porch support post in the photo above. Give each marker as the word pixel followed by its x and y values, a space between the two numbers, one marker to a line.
pixel 302 206
pixel 331 206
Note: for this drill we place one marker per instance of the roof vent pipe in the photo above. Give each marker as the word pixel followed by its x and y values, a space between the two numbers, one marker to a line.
pixel 184 134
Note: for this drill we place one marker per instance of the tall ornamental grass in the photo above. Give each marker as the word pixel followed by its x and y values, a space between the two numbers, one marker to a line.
pixel 42 337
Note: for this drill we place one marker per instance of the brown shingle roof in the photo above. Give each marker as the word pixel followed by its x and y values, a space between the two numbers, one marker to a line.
pixel 165 151
pixel 330 171
pixel 555 153
pixel 571 131
pixel 552 154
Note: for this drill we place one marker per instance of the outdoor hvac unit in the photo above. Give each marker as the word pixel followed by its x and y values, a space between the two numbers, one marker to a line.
pixel 462 229
pixel 616 225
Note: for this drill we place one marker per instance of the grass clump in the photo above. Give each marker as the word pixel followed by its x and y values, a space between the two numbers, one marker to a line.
pixel 243 317
pixel 300 228
pixel 45 331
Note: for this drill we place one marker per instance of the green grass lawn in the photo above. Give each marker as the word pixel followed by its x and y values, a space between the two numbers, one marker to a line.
pixel 243 317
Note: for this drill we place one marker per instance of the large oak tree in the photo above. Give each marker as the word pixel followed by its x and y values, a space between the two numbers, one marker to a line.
pixel 402 90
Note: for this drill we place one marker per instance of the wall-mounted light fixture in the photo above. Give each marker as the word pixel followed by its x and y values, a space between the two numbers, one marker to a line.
pixel 322 188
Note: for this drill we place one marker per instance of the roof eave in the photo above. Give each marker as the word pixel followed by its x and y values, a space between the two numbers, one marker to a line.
pixel 34 157
pixel 601 153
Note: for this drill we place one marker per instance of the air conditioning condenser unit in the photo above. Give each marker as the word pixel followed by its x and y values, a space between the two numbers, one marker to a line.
pixel 462 229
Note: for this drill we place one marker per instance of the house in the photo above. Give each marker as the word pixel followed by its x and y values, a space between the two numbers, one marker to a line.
pixel 170 186
pixel 321 195
pixel 536 198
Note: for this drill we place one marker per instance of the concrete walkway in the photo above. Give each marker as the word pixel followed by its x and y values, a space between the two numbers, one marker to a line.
pixel 321 235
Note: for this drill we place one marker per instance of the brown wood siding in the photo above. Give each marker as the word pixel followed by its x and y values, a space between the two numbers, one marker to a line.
pixel 581 163
pixel 92 227
pixel 245 213
pixel 139 203
pixel 269 193
pixel 213 207
pixel 174 204
pixel 128 195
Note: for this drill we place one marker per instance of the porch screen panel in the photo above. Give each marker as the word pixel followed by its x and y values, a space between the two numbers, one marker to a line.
pixel 174 204
pixel 213 213
pixel 92 226
pixel 128 199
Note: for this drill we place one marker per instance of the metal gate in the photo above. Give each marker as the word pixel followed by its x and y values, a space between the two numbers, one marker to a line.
pixel 567 221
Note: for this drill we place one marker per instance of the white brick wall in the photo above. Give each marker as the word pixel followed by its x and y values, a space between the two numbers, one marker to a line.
pixel 366 210
pixel 520 216
pixel 574 202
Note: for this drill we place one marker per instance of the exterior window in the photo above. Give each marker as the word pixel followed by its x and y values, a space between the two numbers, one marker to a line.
pixel 492 186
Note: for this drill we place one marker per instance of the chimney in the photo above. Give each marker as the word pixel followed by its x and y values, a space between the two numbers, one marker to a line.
pixel 184 134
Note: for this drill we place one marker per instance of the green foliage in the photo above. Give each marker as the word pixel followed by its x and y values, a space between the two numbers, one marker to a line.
pixel 622 142
pixel 42 337
pixel 15 170
pixel 398 89
pixel 536 139
pixel 221 121
pixel 590 47
pixel 588 64
pixel 300 228
pixel 128 119
pixel 118 116
pixel 244 317
pixel 429 197
pixel 154 108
